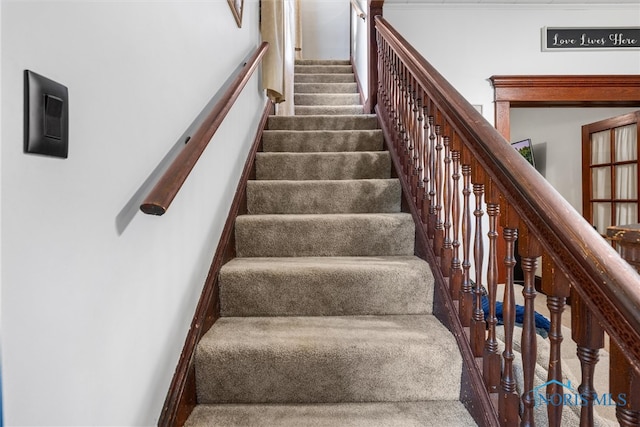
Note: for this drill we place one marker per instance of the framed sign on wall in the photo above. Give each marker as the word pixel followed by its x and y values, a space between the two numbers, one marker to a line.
pixel 596 38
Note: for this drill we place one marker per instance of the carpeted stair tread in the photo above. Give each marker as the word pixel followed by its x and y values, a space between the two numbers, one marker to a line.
pixel 325 88
pixel 308 99
pixel 323 196
pixel 323 69
pixel 322 140
pixel 327 360
pixel 322 62
pixel 379 234
pixel 356 122
pixel 378 414
pixel 317 166
pixel 309 110
pixel 325 78
pixel 325 286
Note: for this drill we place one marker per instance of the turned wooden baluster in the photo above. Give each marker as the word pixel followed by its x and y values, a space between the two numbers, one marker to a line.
pixel 382 70
pixel 491 363
pixel 407 107
pixel 438 237
pixel 416 128
pixel 431 230
pixel 395 101
pixel 530 250
pixel 466 290
pixel 426 200
pixel 402 118
pixel 390 84
pixel 556 286
pixel 420 196
pixel 455 276
pixel 478 325
pixel 446 254
pixel 508 400
pixel 589 336
pixel 624 385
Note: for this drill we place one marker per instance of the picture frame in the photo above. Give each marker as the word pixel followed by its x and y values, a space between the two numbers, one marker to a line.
pixel 525 148
pixel 237 7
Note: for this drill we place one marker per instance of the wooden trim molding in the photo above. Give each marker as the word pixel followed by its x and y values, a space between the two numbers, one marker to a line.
pixel 562 91
pixel 181 397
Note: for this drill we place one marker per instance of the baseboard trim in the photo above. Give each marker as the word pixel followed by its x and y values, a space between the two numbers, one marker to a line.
pixel 181 397
pixel 363 100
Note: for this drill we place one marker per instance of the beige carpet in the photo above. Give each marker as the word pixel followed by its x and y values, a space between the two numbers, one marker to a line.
pixel 326 313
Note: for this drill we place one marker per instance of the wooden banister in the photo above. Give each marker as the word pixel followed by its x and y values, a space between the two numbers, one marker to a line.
pixel 158 200
pixel 435 135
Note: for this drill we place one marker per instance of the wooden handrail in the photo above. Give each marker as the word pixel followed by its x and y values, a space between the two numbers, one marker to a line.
pixel 158 200
pixel 449 157
pixel 356 7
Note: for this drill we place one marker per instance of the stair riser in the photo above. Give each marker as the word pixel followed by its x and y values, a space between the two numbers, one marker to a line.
pixel 338 287
pixel 323 69
pixel 324 78
pixel 324 100
pixel 323 166
pixel 322 141
pixel 325 88
pixel 322 62
pixel 360 122
pixel 323 197
pixel 324 235
pixel 332 110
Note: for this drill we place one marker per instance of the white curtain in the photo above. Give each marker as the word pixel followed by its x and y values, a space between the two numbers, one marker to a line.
pixel 626 148
pixel 601 179
pixel 279 27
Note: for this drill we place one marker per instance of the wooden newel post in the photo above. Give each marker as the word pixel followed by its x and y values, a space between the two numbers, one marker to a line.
pixel 375 9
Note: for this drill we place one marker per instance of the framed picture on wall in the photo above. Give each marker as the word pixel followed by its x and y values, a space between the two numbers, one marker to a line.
pixel 525 148
pixel 236 8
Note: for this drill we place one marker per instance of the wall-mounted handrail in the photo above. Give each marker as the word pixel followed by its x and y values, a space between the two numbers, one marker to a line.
pixel 450 156
pixel 158 200
pixel 358 10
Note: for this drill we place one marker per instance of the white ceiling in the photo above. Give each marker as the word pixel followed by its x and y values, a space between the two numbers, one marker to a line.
pixel 518 2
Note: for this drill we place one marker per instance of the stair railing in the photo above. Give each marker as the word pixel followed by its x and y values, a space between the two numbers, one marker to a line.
pixel 160 197
pixel 457 168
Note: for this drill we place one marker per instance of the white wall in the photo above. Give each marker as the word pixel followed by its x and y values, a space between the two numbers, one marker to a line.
pixel 325 29
pixel 468 44
pixel 95 304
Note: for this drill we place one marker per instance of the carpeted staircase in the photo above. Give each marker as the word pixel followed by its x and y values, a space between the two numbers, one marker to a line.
pixel 326 312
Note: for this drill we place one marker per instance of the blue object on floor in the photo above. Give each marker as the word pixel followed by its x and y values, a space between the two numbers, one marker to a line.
pixel 542 323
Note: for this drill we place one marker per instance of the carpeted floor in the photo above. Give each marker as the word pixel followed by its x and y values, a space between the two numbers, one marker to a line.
pixel 326 313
